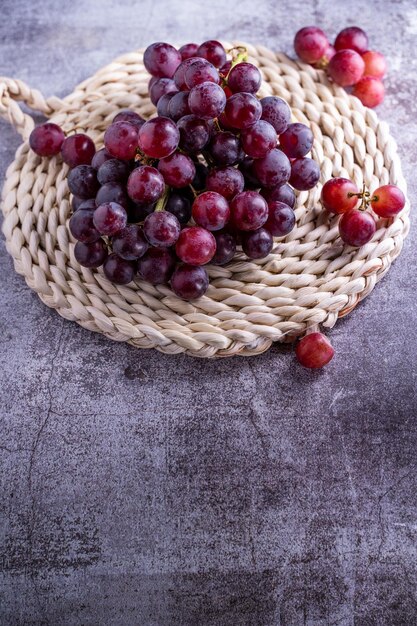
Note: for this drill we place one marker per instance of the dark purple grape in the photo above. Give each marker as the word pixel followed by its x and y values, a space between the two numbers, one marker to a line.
pixel 46 140
pixel 91 254
pixel 82 181
pixel 130 243
pixel 199 180
pixel 112 192
pixel 249 174
pixel 258 139
pixel 207 100
pixel 100 157
pixel 136 212
pixel 305 174
pixel 178 106
pixel 225 248
pixel 161 87
pixel 179 76
pixel 77 202
pixel 277 112
pixel 228 181
pixel 273 169
pixel 242 110
pixel 118 270
pixel 177 169
pixel 194 133
pixel 145 185
pixel 296 141
pixel 109 218
pixel 282 193
pixel 161 59
pixel 156 265
pixel 189 282
pixel 163 103
pixel 188 50
pixel 180 206
pixel 161 229
pixel 244 77
pixel 113 171
pixel 281 218
pixel 78 149
pixel 213 51
pixel 257 244
pixel 127 115
pixel 82 226
pixel 225 149
pixel 88 204
pixel 201 71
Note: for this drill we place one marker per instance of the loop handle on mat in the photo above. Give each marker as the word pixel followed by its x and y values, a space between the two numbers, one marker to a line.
pixel 12 90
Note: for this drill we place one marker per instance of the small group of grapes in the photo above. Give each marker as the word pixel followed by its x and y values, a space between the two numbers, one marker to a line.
pixel 357 226
pixel 349 62
pixel 215 169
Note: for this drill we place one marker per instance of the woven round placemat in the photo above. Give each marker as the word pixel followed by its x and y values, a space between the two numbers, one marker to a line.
pixel 311 278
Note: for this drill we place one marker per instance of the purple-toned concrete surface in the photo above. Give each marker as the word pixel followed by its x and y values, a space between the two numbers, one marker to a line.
pixel 147 490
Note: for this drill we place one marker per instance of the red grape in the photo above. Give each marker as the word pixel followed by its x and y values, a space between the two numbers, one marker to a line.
pixel 273 169
pixel 225 248
pixel 109 218
pixel 310 44
pixel 159 137
pixel 145 185
pixel 82 181
pixel 356 228
pixel 177 169
pixel 259 139
pixel 296 141
pixel 195 245
pixel 352 38
pixel 387 201
pixel 375 64
pixel 346 67
pixel 213 51
pixel 225 148
pixel 244 77
pixel 277 112
pixel 118 270
pixel 127 115
pixel 207 100
pixel 314 351
pixel 257 244
pixel 179 76
pixel 370 91
pixel 305 174
pixel 130 243
pixel 201 71
pixel 156 265
pixel 282 193
pixel 121 140
pixel 242 110
pixel 281 218
pixel 78 149
pixel 46 140
pixel 112 192
pixel 161 229
pixel 82 226
pixel 339 195
pixel 189 282
pixel 91 254
pixel 211 210
pixel 188 50
pixel 249 210
pixel 160 87
pixel 228 181
pixel 194 133
pixel 161 59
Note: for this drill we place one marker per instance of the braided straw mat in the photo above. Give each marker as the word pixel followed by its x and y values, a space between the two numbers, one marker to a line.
pixel 310 278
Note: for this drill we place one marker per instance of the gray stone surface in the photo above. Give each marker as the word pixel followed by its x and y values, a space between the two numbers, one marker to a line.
pixel 142 489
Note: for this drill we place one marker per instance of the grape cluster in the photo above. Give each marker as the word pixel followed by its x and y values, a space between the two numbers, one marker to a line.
pixel 348 62
pixel 357 226
pixel 214 170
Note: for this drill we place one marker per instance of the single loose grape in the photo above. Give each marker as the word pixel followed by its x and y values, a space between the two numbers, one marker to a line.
pixel 370 91
pixel 387 201
pixel 314 351
pixel 356 228
pixel 339 195
pixel 310 44
pixel 352 38
pixel 46 140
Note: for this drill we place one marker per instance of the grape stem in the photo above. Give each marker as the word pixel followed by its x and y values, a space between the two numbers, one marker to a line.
pixel 195 193
pixel 365 197
pixel 161 204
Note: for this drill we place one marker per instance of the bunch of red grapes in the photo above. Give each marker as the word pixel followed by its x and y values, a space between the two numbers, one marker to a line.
pixel 216 169
pixel 348 62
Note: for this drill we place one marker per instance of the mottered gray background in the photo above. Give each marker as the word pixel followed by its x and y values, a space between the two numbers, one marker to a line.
pixel 144 489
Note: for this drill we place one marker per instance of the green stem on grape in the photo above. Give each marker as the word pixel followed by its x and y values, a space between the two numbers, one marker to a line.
pixel 161 204
pixel 195 193
pixel 364 196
